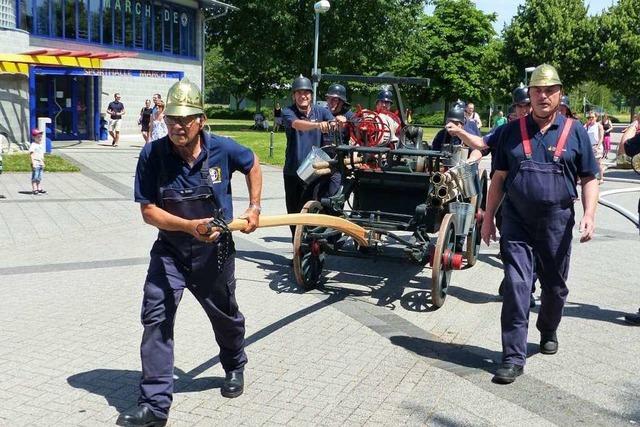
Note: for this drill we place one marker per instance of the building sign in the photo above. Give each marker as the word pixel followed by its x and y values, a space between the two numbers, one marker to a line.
pixel 115 72
pixel 145 8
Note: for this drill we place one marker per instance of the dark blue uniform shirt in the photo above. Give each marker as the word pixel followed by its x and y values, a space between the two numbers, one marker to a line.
pixel 443 137
pixel 577 158
pixel 225 157
pixel 491 139
pixel 299 143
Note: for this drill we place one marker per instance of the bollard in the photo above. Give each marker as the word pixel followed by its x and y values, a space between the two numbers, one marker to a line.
pixel 271 145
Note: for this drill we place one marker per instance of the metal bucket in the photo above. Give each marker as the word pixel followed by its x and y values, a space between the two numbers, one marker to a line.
pixel 305 171
pixel 463 217
pixel 468 179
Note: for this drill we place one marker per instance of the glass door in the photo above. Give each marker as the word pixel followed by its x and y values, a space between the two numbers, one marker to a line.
pixel 64 99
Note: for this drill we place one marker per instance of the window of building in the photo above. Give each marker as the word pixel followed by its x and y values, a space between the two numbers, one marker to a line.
pixel 26 15
pixel 83 19
pixel 70 19
pixel 133 24
pixel 95 12
pixel 57 23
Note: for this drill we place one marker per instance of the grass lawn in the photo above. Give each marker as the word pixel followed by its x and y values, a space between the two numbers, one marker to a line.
pixel 21 162
pixel 258 141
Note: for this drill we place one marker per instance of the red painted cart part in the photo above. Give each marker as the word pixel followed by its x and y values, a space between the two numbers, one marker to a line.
pixel 451 260
pixel 315 248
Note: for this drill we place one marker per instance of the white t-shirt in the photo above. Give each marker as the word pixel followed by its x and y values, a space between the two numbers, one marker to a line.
pixel 37 153
pixel 390 129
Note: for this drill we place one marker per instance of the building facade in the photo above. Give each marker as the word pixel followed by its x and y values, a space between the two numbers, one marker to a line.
pixel 65 60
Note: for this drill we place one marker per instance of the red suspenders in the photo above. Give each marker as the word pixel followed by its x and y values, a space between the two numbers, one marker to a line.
pixel 562 141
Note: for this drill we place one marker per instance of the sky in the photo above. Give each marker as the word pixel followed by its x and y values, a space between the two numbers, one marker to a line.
pixel 506 9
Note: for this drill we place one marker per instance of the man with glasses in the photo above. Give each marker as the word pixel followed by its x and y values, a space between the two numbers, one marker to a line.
pixel 116 110
pixel 183 185
pixel 539 159
pixel 304 125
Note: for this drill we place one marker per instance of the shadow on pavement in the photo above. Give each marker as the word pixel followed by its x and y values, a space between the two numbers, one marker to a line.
pixel 121 387
pixel 465 355
pixel 591 312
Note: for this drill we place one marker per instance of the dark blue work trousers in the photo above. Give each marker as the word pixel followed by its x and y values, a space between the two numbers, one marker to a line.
pixel 164 285
pixel 547 237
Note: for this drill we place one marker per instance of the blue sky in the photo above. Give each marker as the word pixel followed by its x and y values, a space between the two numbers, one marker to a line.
pixel 506 9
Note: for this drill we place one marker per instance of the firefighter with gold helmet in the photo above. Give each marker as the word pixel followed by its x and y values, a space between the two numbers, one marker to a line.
pixel 182 184
pixel 539 159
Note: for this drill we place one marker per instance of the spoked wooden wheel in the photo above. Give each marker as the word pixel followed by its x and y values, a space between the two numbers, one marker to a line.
pixel 472 247
pixel 441 274
pixel 308 256
pixel 635 163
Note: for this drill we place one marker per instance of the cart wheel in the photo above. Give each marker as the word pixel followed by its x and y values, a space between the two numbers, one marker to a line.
pixel 308 257
pixel 474 238
pixel 472 247
pixel 440 275
pixel 635 163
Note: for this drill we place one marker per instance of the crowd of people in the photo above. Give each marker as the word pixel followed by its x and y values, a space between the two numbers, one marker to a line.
pixel 540 154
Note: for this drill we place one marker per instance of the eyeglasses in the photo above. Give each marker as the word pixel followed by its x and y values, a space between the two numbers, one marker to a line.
pixel 185 122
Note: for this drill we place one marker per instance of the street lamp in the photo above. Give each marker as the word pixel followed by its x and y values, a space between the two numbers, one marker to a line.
pixel 320 7
pixel 526 74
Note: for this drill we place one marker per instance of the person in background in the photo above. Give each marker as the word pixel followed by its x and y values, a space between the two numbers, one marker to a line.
pixel 115 109
pixel 471 114
pixel 156 98
pixel 277 117
pixel 607 126
pixel 596 135
pixel 144 120
pixel 500 120
pixel 390 119
pixel 158 125
pixel 36 151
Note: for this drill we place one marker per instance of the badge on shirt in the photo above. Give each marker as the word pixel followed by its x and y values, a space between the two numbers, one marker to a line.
pixel 215 174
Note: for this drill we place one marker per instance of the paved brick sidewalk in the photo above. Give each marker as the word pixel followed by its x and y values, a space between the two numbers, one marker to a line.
pixel 363 350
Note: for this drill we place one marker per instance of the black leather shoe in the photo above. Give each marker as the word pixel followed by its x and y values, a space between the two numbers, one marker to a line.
pixel 142 416
pixel 548 343
pixel 233 384
pixel 507 373
pixel 633 319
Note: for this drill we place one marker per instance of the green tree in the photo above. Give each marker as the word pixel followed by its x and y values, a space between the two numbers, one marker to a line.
pixel 266 44
pixel 619 53
pixel 557 32
pixel 450 47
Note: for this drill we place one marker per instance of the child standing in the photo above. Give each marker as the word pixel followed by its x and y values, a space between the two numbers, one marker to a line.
pixel 36 149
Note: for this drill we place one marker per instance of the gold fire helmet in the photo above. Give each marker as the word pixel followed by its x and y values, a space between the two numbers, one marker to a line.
pixel 184 99
pixel 545 75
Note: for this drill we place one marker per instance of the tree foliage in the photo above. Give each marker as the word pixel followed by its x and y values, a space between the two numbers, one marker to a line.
pixel 449 48
pixel 557 32
pixel 619 53
pixel 266 44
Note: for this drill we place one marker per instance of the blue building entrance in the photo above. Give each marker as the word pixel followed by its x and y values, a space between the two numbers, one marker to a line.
pixel 66 100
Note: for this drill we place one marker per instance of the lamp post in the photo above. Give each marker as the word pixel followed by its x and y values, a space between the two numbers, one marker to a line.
pixel 526 74
pixel 320 7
